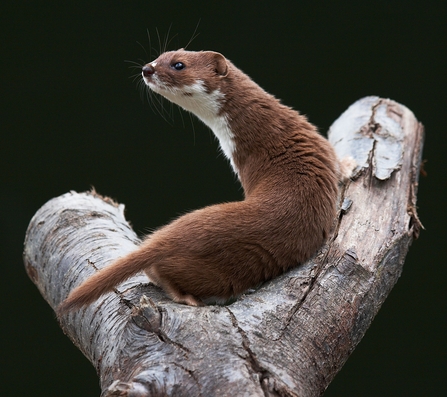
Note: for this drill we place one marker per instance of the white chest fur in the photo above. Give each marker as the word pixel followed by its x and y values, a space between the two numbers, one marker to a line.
pixel 206 107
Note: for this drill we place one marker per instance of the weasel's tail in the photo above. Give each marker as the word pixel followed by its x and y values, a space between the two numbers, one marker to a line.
pixel 103 281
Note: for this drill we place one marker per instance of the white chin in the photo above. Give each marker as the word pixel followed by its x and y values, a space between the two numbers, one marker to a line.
pixel 154 87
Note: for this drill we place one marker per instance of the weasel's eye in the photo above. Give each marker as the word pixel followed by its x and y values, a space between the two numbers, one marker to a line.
pixel 178 65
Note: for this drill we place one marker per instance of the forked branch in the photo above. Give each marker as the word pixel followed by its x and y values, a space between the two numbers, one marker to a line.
pixel 291 336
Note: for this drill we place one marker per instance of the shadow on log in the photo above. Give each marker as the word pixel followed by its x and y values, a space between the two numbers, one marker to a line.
pixel 290 337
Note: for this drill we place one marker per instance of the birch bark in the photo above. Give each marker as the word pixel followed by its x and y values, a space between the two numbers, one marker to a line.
pixel 290 337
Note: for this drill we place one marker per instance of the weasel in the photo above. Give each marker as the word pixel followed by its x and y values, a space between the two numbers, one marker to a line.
pixel 289 174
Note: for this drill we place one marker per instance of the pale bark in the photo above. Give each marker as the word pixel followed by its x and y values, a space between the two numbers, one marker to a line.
pixel 291 336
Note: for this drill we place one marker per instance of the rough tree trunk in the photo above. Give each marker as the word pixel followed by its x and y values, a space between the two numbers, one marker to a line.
pixel 291 336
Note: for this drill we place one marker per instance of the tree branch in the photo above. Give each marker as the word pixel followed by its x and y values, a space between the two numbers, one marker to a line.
pixel 291 336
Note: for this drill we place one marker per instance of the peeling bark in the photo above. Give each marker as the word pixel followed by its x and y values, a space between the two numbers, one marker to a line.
pixel 290 337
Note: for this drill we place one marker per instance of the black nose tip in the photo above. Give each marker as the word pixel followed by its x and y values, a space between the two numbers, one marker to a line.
pixel 148 70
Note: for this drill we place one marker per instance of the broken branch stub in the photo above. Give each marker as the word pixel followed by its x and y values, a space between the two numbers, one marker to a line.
pixel 290 337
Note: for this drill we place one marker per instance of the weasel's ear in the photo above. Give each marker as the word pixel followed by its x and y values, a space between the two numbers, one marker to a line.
pixel 220 64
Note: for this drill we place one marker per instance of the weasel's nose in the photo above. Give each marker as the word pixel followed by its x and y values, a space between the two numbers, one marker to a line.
pixel 148 70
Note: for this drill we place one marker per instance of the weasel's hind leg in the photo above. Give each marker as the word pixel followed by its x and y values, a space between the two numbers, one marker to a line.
pixel 187 299
pixel 179 296
pixel 175 293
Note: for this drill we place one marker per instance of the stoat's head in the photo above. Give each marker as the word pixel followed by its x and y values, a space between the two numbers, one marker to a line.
pixel 190 79
pixel 195 81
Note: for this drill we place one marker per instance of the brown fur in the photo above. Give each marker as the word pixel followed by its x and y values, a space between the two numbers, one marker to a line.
pixel 289 175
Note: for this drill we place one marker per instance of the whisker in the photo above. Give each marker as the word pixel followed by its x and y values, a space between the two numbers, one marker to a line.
pixel 135 63
pixel 166 42
pixel 172 38
pixel 144 49
pixel 137 78
pixel 194 35
pixel 139 70
pixel 150 44
pixel 159 40
pixel 171 110
pixel 136 67
pixel 193 128
pixel 143 90
pixel 157 105
pixel 181 116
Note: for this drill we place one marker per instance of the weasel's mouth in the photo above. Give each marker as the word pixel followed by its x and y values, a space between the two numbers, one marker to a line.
pixel 153 85
pixel 147 81
pixel 159 88
pixel 151 82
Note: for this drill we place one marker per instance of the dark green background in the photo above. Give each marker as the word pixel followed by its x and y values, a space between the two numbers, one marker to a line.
pixel 72 118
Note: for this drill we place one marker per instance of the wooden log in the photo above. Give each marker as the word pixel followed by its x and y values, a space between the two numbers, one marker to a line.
pixel 290 337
